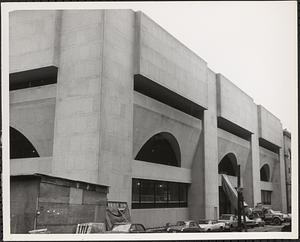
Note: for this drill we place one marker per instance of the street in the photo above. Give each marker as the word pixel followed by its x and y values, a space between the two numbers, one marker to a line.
pixel 267 228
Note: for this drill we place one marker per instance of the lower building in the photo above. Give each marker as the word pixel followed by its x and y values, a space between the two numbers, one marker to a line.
pixel 109 98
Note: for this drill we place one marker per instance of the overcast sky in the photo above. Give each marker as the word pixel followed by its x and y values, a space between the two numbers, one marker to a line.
pixel 251 43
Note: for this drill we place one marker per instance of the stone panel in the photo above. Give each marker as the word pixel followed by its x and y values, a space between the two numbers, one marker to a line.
pixel 165 60
pixel 269 126
pixel 35 120
pixel 32 39
pixel 116 103
pixel 235 105
pixel 152 117
pixel 77 117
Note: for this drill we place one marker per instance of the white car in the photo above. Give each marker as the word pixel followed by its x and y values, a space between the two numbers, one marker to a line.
pixel 211 225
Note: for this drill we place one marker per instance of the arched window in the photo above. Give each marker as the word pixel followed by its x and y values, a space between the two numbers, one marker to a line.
pixel 20 146
pixel 265 173
pixel 161 148
pixel 228 165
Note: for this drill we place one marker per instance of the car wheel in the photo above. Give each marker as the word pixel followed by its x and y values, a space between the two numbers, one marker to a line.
pixel 221 228
pixel 277 221
pixel 208 230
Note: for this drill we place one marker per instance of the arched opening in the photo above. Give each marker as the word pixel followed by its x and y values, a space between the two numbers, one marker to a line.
pixel 228 166
pixel 20 146
pixel 161 148
pixel 265 173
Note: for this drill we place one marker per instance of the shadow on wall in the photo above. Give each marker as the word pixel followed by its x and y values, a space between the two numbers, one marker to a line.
pixel 161 148
pixel 20 146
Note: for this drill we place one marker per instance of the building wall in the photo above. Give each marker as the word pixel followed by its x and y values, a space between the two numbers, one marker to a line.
pixel 23 202
pixel 152 117
pixel 234 105
pixel 165 60
pixel 159 217
pixel 92 123
pixel 241 148
pixel 32 113
pixel 269 126
pixel 33 39
pixel 272 159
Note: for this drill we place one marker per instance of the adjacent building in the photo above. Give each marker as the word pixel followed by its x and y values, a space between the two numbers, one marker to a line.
pixel 110 100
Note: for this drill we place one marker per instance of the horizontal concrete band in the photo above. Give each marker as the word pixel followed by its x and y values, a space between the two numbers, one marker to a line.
pixel 147 170
pixel 30 166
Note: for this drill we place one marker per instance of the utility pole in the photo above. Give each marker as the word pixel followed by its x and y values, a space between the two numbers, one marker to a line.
pixel 243 211
pixel 239 197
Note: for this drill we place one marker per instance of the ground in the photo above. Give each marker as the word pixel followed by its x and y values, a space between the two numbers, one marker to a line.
pixel 267 228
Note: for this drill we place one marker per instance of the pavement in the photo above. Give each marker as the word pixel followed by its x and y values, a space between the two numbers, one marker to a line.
pixel 267 228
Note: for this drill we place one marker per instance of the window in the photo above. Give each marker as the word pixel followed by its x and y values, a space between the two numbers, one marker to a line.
pixel 147 193
pixel 265 173
pixel 228 165
pixel 161 148
pixel 266 197
pixel 158 194
pixel 33 78
pixel 20 146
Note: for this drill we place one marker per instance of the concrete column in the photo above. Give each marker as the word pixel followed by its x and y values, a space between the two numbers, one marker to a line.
pixel 255 171
pixel 76 129
pixel 255 164
pixel 116 104
pixel 211 151
pixel 282 180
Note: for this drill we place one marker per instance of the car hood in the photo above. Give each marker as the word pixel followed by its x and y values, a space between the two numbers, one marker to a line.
pixel 176 227
pixel 224 221
pixel 204 225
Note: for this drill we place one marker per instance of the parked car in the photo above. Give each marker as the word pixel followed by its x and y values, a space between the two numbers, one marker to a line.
pixel 259 222
pixel 250 223
pixel 128 228
pixel 230 221
pixel 273 217
pixel 184 226
pixel 211 225
pixel 269 215
pixel 287 217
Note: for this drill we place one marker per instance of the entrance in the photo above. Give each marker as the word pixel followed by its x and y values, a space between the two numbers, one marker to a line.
pixel 227 166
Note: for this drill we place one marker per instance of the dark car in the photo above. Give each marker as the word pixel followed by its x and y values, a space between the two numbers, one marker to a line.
pixel 273 217
pixel 128 228
pixel 185 226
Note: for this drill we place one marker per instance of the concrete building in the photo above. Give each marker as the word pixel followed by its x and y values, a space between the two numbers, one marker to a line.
pixel 108 97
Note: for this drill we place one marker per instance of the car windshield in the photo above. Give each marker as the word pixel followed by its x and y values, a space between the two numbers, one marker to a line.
pixel 121 228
